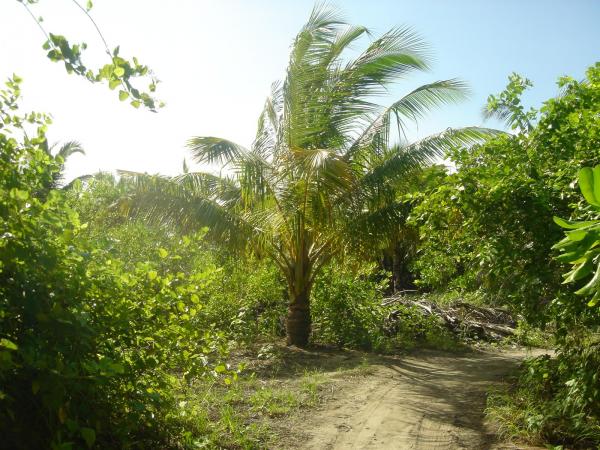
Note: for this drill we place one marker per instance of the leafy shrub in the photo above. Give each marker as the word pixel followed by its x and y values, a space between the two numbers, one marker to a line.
pixel 91 344
pixel 407 327
pixel 247 300
pixel 346 308
pixel 555 400
pixel 489 225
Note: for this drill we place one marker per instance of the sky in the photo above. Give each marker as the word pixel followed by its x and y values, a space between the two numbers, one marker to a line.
pixel 216 60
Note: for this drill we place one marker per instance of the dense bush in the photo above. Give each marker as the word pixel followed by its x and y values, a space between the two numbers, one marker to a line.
pixel 92 344
pixel 489 226
pixel 347 307
pixel 554 399
pixel 247 299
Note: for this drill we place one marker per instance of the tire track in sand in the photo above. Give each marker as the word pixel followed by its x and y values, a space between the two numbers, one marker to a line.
pixel 432 401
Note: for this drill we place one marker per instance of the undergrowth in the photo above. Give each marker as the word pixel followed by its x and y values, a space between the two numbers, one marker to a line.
pixel 552 401
pixel 240 415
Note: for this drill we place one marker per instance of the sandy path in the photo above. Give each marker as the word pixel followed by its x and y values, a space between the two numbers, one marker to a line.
pixel 430 401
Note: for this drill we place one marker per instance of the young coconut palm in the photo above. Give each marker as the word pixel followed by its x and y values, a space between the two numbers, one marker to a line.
pixel 64 152
pixel 321 159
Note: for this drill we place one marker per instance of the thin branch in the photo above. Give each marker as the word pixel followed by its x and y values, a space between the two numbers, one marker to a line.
pixel 35 19
pixel 95 26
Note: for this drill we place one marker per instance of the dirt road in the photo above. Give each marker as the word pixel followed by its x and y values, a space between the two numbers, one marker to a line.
pixel 430 401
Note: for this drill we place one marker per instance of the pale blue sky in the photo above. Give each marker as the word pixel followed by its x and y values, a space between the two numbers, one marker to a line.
pixel 217 59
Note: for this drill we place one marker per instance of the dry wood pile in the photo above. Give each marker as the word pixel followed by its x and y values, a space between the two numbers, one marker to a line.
pixel 463 319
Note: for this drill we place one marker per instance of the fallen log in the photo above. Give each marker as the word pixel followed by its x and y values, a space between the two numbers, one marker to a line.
pixel 461 318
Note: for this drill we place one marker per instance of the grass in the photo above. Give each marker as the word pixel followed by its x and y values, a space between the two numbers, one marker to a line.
pixel 530 336
pixel 243 414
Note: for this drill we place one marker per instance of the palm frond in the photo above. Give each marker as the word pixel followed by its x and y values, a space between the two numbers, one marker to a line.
pixel 388 59
pixel 70 148
pixel 402 160
pixel 208 149
pixel 413 106
pixel 183 204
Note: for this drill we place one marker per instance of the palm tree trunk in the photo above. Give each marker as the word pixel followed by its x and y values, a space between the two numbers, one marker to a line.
pixel 299 284
pixel 396 269
pixel 298 323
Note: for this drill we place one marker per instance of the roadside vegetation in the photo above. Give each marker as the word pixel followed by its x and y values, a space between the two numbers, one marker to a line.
pixel 141 311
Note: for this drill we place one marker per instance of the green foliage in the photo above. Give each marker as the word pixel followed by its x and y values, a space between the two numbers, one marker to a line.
pixel 555 400
pixel 247 299
pixel 581 246
pixel 489 225
pixel 119 72
pixel 91 342
pixel 488 229
pixel 347 308
pixel 507 105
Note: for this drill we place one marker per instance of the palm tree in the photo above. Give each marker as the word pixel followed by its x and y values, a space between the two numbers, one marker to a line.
pixel 321 160
pixel 64 152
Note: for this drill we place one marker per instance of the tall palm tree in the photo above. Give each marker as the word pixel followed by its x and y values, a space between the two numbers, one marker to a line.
pixel 321 160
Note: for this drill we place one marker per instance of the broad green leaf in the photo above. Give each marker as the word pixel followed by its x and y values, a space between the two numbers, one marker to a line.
pixel 152 274
pixel 123 95
pixel 596 172
pixel 587 183
pixel 8 344
pixel 572 225
pixel 592 285
pixel 576 235
pixel 163 253
pixel 581 271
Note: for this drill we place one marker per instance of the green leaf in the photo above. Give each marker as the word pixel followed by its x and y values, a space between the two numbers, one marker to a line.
pixel 10 345
pixel 152 274
pixel 163 253
pixel 592 285
pixel 135 103
pixel 581 271
pixel 572 225
pixel 576 235
pixel 123 95
pixel 88 435
pixel 587 182
pixel 119 71
pixel 113 84
pixel 19 194
pixel 596 172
